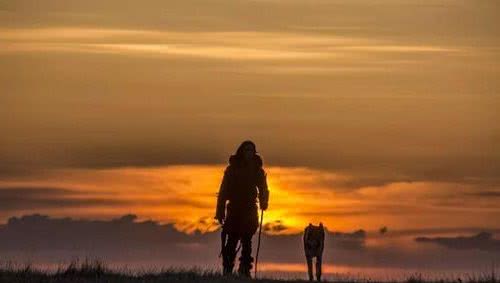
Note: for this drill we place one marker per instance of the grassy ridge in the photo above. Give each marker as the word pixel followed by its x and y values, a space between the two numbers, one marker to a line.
pixel 96 271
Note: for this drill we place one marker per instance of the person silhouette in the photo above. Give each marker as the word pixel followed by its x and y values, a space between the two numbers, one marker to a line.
pixel 244 182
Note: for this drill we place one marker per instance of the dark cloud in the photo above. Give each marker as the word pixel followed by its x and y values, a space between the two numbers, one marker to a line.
pixel 439 231
pixel 385 167
pixel 113 239
pixel 276 226
pixel 21 198
pixel 126 240
pixel 39 198
pixel 157 154
pixel 32 192
pixel 289 248
pixel 487 194
pixel 350 241
pixel 383 230
pixel 378 209
pixel 364 167
pixel 483 241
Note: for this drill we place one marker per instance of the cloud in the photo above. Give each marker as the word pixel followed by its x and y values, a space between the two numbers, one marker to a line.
pixel 186 195
pixel 275 226
pixel 113 239
pixel 485 193
pixel 396 18
pixel 84 200
pixel 212 45
pixel 439 231
pixel 383 230
pixel 314 74
pixel 21 198
pixel 147 243
pixel 482 241
pixel 349 241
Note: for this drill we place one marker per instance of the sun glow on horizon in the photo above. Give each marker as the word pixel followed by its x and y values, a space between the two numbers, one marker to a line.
pixel 185 196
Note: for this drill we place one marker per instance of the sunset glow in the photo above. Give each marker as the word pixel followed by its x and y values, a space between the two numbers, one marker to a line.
pixel 185 196
pixel 378 119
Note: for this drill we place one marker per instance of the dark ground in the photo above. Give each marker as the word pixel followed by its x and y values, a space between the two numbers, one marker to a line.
pixel 97 272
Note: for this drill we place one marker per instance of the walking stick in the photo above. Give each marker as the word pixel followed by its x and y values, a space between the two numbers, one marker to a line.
pixel 258 243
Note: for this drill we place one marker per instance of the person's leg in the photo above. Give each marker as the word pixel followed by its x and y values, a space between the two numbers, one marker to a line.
pixel 310 268
pixel 318 268
pixel 229 254
pixel 246 258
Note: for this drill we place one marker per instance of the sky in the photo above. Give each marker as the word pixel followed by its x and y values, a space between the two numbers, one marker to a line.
pixel 366 113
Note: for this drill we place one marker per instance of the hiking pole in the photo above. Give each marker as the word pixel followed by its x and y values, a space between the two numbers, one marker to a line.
pixel 258 242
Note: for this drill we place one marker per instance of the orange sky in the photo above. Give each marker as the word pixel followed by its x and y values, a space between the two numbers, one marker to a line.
pixel 186 195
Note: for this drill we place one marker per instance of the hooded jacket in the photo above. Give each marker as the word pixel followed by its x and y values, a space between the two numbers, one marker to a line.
pixel 241 185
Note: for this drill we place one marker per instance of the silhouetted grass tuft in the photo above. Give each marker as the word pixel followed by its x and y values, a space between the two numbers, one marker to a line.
pixel 96 271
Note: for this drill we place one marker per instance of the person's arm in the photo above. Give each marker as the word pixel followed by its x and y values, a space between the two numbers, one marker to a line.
pixel 304 237
pixel 222 197
pixel 322 238
pixel 263 189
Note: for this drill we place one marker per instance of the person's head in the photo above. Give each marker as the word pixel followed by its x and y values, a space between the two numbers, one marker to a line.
pixel 246 150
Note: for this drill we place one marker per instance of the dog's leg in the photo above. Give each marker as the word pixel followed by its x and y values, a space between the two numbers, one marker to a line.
pixel 310 268
pixel 318 268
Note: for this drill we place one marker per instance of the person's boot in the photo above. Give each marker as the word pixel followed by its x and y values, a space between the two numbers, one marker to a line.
pixel 229 255
pixel 246 258
pixel 227 269
pixel 244 271
pixel 245 267
pixel 227 265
